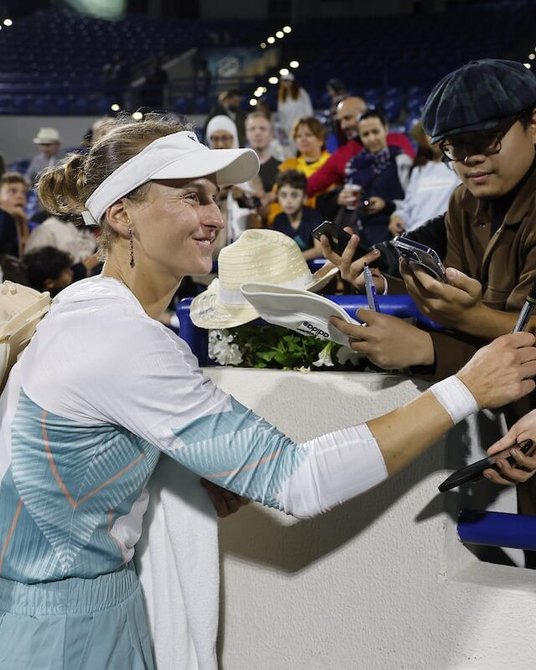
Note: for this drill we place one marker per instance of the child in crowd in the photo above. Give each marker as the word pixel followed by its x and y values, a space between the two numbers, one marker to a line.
pixel 297 220
pixel 48 269
pixel 14 189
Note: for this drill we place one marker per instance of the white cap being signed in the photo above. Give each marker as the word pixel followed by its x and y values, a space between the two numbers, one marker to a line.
pixel 306 313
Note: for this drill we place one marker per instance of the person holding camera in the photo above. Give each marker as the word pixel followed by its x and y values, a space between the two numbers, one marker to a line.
pixel 376 181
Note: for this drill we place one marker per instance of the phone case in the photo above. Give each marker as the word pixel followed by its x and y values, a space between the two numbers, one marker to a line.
pixel 415 253
pixel 338 238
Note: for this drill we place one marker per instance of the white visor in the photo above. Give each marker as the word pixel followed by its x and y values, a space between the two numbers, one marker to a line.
pixel 177 156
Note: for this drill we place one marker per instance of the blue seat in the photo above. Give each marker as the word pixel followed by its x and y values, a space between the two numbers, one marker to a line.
pixel 202 104
pixel 181 104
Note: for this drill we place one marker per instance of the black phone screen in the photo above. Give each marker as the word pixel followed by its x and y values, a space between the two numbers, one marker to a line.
pixel 338 238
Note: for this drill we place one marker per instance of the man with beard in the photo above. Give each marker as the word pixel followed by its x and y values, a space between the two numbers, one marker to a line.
pixel 332 173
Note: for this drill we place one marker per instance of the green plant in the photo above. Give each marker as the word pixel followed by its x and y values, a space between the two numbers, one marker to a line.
pixel 268 346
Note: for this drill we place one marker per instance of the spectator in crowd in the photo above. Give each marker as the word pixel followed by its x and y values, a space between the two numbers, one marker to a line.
pixel 309 136
pixel 293 102
pixel 100 127
pixel 296 219
pixel 14 189
pixel 332 174
pixel 202 76
pixel 430 186
pixel 79 244
pixel 221 133
pixel 380 173
pixel 49 155
pixel 259 135
pixel 240 203
pixel 228 103
pixel 48 269
pixel 102 414
pixel 336 91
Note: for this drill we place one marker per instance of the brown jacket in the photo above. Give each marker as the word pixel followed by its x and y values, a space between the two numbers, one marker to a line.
pixel 504 263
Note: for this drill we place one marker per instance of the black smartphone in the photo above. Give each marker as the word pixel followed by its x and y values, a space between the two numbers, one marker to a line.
pixel 415 253
pixel 338 238
pixel 473 472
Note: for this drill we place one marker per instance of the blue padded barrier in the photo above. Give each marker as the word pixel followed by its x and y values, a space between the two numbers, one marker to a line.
pixel 196 337
pixel 401 306
pixel 497 529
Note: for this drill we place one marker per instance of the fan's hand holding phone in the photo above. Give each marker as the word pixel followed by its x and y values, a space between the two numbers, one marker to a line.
pixel 338 239
pixel 425 257
pixel 473 472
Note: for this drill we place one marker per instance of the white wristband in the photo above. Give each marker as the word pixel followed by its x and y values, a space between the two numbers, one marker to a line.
pixel 455 397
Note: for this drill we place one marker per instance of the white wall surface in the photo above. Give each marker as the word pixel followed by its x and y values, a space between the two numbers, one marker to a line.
pixel 380 583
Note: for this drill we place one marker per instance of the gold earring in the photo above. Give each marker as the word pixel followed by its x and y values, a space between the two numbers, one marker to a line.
pixel 131 247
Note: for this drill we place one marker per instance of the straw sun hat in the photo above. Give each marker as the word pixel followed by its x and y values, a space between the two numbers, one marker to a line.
pixel 257 256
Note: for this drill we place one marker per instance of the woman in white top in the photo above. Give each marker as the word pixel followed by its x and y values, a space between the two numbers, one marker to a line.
pixel 103 389
pixel 430 186
pixel 293 102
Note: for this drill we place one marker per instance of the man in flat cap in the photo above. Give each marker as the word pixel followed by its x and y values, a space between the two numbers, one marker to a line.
pixel 483 118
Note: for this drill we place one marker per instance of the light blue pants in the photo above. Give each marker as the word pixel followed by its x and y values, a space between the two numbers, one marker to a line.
pixel 75 624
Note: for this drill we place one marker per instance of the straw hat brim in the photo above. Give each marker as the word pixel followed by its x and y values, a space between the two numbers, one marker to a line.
pixel 206 311
pixel 322 278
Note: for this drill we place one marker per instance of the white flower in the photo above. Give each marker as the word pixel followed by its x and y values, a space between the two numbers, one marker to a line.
pixel 324 357
pixel 221 348
pixel 345 354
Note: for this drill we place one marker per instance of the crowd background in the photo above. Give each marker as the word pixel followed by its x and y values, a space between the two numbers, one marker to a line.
pixel 196 64
pixel 75 70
